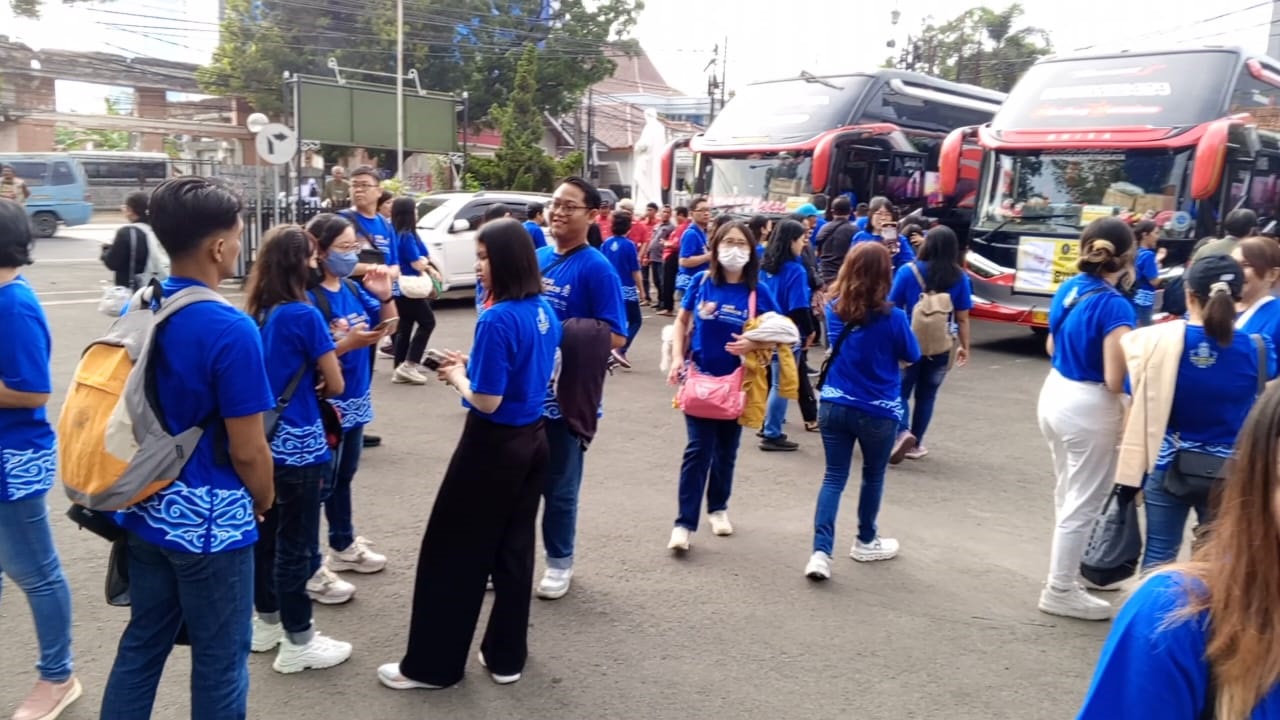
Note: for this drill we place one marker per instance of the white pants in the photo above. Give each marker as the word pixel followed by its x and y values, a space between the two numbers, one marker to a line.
pixel 1082 423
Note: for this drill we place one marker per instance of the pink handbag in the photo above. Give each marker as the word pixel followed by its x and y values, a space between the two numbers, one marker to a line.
pixel 714 397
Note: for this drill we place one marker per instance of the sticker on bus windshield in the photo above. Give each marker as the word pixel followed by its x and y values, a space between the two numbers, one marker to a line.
pixel 1044 264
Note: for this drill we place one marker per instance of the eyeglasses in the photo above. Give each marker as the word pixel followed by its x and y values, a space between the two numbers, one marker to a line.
pixel 566 208
pixel 362 186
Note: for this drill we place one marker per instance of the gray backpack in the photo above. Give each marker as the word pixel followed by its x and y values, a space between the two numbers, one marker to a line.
pixel 114 448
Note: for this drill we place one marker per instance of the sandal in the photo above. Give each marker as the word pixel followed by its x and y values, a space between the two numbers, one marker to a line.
pixel 811 426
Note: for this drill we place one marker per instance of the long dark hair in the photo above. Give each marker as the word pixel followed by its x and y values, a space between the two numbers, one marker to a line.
pixel 942 251
pixel 862 286
pixel 281 270
pixel 751 272
pixel 778 252
pixel 513 266
pixel 758 223
pixel 404 214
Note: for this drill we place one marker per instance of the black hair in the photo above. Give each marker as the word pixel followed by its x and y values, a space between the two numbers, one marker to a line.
pixel 758 223
pixel 1240 223
pixel 652 206
pixel 751 272
pixel 941 250
pixel 595 238
pixel 1142 227
pixel 1216 283
pixel 695 202
pixel 366 170
pixel 590 195
pixel 820 201
pixel 1105 246
pixel 280 271
pixel 404 214
pixel 863 208
pixel 682 211
pixel 137 203
pixel 778 252
pixel 497 211
pixel 327 228
pixel 533 210
pixel 910 229
pixel 15 236
pixel 384 197
pixel 841 207
pixel 620 223
pixel 720 220
pixel 187 210
pixel 513 265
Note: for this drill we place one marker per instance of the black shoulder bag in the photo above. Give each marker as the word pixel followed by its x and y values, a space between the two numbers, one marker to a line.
pixel 835 350
pixel 372 255
pixel 1193 474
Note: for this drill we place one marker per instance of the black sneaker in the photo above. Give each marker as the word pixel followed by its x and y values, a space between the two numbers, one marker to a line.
pixel 760 434
pixel 372 441
pixel 779 444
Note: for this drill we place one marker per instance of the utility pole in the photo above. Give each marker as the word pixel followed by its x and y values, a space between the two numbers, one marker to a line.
pixel 591 130
pixel 724 71
pixel 1273 31
pixel 400 89
pixel 713 83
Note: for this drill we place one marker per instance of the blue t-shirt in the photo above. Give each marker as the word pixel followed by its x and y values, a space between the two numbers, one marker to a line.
pixel 790 287
pixel 378 232
pixel 410 249
pixel 720 312
pixel 624 257
pixel 1264 320
pixel 692 243
pixel 1153 663
pixel 906 290
pixel 904 255
pixel 209 364
pixel 296 336
pixel 1146 271
pixel 866 373
pixel 584 285
pixel 1083 312
pixel 1216 388
pixel 535 232
pixel 514 356
pixel 348 310
pixel 28 448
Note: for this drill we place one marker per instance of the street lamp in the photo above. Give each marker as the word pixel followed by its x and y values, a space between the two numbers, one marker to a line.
pixel 255 122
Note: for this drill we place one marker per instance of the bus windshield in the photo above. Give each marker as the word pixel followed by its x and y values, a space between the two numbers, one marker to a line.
pixel 787 111
pixel 1074 188
pixel 758 182
pixel 1171 90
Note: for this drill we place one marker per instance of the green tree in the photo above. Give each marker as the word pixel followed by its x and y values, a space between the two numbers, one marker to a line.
pixel 83 139
pixel 456 45
pixel 980 46
pixel 31 8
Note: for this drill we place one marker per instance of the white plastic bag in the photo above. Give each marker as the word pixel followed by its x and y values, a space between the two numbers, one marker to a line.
pixel 114 299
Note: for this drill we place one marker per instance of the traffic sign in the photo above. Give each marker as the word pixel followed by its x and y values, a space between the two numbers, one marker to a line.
pixel 276 143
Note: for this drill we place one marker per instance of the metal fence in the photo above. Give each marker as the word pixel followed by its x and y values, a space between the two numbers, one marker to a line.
pixel 269 199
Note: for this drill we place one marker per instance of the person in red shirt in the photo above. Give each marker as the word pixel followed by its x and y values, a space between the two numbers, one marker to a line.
pixel 671 263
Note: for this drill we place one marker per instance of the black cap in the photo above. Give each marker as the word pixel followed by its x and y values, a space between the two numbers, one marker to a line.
pixel 1213 269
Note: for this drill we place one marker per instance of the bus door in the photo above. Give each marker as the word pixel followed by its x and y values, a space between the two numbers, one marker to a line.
pixel 904 182
pixel 858 168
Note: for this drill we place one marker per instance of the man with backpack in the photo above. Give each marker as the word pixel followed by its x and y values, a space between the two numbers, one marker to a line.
pixel 190 543
pixel 834 239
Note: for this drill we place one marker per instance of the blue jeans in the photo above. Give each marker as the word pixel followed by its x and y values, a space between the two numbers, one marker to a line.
pixel 283 554
pixel 776 408
pixel 28 557
pixel 564 483
pixel 634 320
pixel 922 379
pixel 1166 521
pixel 337 494
pixel 213 595
pixel 707 466
pixel 842 426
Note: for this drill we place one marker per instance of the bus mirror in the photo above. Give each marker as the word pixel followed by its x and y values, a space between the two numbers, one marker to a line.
pixel 1210 159
pixel 949 162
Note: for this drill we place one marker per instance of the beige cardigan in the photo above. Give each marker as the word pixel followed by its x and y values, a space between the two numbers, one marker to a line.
pixel 1152 355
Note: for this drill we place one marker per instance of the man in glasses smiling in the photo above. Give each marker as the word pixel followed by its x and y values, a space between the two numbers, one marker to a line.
pixel 580 283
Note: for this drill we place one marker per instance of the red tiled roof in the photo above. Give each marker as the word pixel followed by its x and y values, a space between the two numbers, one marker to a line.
pixel 634 74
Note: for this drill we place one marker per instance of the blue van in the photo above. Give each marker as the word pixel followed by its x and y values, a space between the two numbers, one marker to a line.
pixel 59 189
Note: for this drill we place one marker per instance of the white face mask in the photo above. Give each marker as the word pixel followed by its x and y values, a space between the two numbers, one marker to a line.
pixel 733 258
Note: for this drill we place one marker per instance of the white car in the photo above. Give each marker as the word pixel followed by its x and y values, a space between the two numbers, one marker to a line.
pixel 447 223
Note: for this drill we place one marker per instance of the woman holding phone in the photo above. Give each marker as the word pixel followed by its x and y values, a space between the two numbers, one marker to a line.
pixel 882 227
pixel 484 516
pixel 350 310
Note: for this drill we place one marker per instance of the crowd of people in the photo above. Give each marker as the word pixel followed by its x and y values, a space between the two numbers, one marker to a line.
pixel 287 381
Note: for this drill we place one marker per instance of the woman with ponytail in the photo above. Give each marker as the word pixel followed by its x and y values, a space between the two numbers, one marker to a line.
pixel 1080 410
pixel 1217 382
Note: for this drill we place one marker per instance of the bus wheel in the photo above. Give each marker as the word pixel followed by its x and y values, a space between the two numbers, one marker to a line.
pixel 44 224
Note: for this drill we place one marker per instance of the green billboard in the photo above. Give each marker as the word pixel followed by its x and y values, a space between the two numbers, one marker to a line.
pixel 364 115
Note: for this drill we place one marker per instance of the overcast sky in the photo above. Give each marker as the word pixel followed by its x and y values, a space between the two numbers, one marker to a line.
pixel 777 38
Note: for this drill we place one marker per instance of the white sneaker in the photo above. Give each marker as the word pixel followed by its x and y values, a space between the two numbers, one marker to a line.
pixel 328 589
pixel 266 636
pixel 555 583
pixel 322 652
pixel 878 549
pixel 357 558
pixel 407 374
pixel 390 676
pixel 720 524
pixel 1074 603
pixel 679 539
pixel 917 453
pixel 819 567
pixel 500 679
